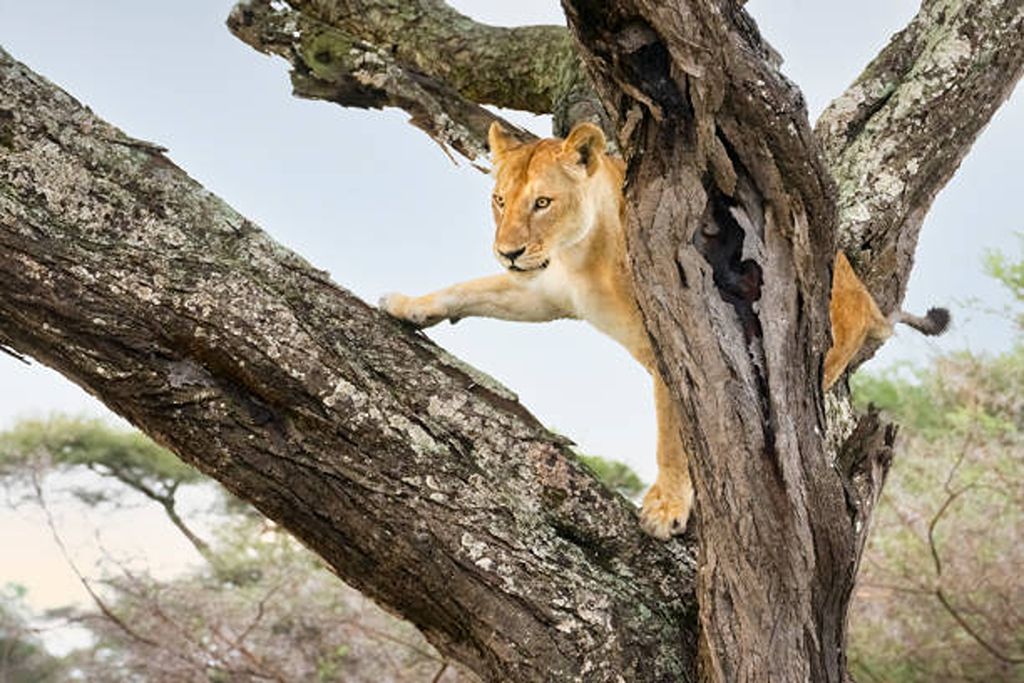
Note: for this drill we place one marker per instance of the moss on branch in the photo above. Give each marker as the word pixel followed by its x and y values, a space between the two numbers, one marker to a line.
pixel 423 57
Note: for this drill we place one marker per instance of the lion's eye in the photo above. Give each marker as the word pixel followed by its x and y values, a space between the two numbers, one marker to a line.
pixel 542 203
pixel 499 201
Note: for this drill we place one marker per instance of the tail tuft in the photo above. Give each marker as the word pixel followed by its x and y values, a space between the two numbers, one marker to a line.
pixel 935 321
pixel 939 318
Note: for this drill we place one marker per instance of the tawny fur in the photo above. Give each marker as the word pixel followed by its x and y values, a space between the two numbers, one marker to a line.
pixel 856 319
pixel 558 207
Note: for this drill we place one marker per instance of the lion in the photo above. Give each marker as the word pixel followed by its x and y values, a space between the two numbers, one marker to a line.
pixel 559 210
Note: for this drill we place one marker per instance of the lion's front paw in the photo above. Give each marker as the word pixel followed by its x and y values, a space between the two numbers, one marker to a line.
pixel 664 513
pixel 419 311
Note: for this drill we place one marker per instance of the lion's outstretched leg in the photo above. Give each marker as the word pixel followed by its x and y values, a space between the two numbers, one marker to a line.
pixel 506 296
pixel 666 507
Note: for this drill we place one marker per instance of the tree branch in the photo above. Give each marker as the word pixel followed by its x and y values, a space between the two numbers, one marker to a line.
pixel 426 58
pixel 418 479
pixel 897 135
pixel 864 456
pixel 515 68
pixel 165 500
pixel 423 57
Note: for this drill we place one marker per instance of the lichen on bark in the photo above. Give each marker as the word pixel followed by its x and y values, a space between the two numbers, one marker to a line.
pixel 899 132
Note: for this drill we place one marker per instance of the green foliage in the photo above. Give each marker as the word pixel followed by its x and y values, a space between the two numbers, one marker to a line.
pixel 1007 271
pixel 67 442
pixel 961 392
pixel 909 402
pixel 614 474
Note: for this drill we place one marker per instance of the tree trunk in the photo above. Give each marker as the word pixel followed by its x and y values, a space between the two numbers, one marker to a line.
pixel 731 235
pixel 421 481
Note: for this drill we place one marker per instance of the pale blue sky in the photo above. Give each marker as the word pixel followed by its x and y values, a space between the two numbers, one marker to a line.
pixel 371 199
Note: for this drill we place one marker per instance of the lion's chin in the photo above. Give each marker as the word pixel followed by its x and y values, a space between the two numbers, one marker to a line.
pixel 518 269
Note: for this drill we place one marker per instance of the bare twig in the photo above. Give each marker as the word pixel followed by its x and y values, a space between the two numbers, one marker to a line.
pixel 939 593
pixel 99 602
pixel 440 673
pixel 978 638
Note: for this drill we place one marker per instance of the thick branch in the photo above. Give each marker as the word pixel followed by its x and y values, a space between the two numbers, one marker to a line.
pixel 419 480
pixel 423 57
pixel 515 68
pixel 897 135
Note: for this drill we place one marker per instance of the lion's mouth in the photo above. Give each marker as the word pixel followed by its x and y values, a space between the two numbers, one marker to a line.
pixel 518 269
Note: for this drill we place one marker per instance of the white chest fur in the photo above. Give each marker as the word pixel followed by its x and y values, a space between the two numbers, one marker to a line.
pixel 557 284
pixel 592 298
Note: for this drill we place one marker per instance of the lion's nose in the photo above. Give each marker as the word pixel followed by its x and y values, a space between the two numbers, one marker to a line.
pixel 514 254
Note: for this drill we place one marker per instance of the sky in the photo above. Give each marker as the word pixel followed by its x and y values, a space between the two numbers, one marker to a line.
pixel 372 200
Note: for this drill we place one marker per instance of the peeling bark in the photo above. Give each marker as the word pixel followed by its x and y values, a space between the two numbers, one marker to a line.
pixel 421 481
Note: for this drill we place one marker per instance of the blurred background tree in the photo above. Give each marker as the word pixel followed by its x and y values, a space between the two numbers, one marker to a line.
pixel 23 657
pixel 940 595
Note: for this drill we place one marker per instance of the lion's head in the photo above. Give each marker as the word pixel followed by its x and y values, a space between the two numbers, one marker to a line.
pixel 543 199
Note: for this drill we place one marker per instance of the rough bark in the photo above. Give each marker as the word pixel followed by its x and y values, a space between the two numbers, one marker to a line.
pixel 419 480
pixel 731 236
pixel 732 225
pixel 334 64
pixel 424 57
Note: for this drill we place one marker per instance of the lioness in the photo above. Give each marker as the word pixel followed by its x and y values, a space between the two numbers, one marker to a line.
pixel 559 210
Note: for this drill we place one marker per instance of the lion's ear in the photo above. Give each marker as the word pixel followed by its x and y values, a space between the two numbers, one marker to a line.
pixel 582 147
pixel 500 141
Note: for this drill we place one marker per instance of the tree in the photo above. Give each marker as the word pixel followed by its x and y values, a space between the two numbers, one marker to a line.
pixel 939 596
pixel 129 458
pixel 424 483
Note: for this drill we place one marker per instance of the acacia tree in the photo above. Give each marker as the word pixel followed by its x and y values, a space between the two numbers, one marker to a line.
pixel 423 482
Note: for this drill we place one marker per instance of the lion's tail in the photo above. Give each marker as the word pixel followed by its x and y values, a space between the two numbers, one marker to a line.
pixel 935 321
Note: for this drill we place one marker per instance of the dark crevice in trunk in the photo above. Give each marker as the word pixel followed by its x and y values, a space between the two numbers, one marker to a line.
pixel 720 240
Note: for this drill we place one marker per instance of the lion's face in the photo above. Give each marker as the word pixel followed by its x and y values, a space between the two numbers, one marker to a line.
pixel 539 201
